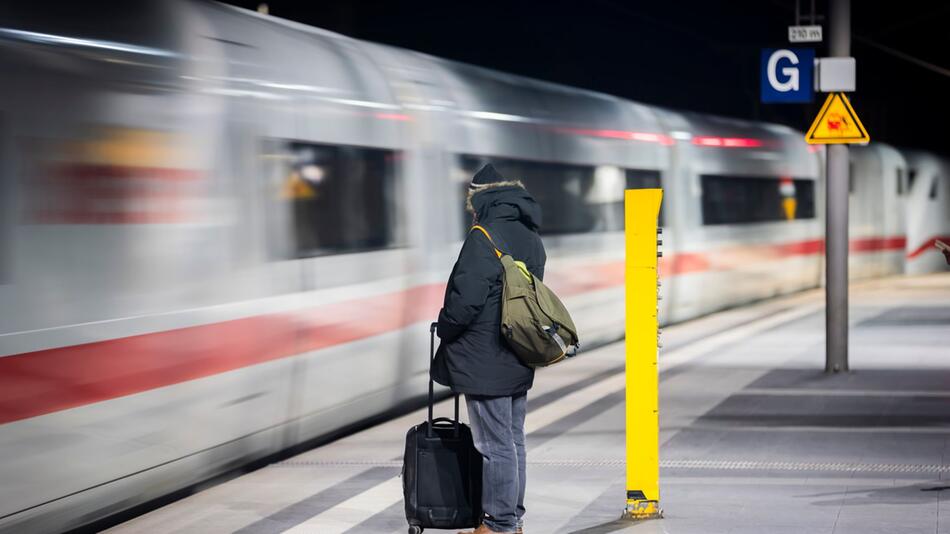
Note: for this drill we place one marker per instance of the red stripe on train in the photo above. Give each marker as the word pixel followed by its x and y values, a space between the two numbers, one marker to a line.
pixel 46 381
pixel 876 244
pixel 929 244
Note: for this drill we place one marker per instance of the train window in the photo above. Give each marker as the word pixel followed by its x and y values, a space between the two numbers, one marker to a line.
pixel 641 179
pixel 900 182
pixel 341 198
pixel 644 179
pixel 573 198
pixel 911 177
pixel 744 200
pixel 933 188
pixel 804 199
pixel 560 189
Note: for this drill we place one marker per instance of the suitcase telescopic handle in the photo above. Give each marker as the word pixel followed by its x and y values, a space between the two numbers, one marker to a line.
pixel 432 329
pixel 439 420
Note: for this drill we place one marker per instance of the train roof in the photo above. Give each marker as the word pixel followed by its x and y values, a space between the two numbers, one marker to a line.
pixel 526 83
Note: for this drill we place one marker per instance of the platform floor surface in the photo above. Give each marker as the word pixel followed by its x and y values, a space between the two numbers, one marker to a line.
pixel 755 438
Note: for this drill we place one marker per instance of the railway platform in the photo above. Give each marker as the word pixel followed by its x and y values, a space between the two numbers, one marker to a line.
pixel 755 438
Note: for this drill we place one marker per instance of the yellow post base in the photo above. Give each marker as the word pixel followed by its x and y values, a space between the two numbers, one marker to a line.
pixel 640 510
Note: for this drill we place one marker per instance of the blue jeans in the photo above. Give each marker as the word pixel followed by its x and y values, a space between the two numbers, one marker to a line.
pixel 498 430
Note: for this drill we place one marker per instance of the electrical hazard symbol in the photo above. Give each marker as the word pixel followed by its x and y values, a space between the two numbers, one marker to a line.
pixel 837 123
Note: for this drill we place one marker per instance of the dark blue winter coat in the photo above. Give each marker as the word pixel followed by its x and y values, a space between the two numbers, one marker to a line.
pixel 472 357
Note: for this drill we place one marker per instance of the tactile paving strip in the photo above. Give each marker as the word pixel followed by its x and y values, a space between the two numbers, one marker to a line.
pixel 732 465
pixel 721 465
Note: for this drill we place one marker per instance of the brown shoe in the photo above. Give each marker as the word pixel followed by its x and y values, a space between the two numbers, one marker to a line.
pixel 483 529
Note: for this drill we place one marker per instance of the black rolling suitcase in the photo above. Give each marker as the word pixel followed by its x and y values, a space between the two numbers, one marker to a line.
pixel 441 471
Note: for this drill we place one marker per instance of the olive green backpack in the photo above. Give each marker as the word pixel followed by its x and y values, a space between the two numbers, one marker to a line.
pixel 534 322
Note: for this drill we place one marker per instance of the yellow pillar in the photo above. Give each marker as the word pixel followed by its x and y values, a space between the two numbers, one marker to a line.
pixel 641 210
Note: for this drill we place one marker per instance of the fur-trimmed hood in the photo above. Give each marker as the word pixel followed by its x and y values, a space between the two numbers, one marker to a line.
pixel 504 200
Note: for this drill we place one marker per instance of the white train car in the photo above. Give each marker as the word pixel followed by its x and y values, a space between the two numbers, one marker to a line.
pixel 745 207
pixel 876 213
pixel 223 233
pixel 928 210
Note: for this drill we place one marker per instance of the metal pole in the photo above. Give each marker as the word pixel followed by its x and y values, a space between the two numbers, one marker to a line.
pixel 836 260
pixel 836 217
pixel 840 41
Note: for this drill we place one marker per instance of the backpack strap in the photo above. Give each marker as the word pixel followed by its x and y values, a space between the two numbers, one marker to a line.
pixel 492 241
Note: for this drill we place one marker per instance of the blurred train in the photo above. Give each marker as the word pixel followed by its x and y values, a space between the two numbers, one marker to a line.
pixel 222 233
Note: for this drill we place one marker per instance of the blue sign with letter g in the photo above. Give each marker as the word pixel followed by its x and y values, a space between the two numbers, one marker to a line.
pixel 786 74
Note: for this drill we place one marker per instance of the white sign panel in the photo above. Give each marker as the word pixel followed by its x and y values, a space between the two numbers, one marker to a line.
pixel 834 74
pixel 804 34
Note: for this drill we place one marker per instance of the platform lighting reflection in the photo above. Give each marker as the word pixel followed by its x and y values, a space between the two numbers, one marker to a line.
pixel 491 115
pixel 360 103
pixel 393 117
pixel 293 87
pixel 426 107
pixel 227 91
pixel 728 142
pixel 264 83
pixel 50 39
pixel 646 137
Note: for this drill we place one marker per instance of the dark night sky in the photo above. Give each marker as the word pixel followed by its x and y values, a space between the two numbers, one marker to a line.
pixel 684 54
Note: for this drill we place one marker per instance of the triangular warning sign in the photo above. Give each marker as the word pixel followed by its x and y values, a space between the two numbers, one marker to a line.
pixel 837 123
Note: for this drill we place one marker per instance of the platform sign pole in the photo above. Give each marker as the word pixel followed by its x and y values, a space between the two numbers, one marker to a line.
pixel 837 125
pixel 836 217
pixel 641 210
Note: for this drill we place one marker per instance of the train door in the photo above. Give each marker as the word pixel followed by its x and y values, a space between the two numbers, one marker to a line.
pixel 894 168
pixel 7 212
pixel 433 205
pixel 927 216
pixel 334 157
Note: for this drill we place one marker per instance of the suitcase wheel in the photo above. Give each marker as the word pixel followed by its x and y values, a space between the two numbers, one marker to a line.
pixel 413 529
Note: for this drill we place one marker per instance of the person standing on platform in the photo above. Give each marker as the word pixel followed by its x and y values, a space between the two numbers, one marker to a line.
pixel 473 359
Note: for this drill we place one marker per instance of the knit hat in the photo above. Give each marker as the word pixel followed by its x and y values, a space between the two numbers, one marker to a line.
pixel 487 175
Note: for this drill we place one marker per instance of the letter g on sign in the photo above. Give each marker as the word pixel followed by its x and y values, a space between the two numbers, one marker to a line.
pixel 790 73
pixel 785 75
